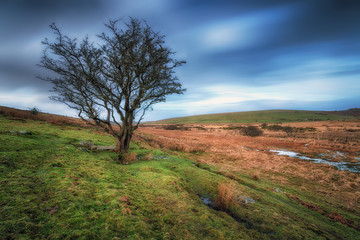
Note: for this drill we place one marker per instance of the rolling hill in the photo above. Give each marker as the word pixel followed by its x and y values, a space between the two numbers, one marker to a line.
pixel 266 116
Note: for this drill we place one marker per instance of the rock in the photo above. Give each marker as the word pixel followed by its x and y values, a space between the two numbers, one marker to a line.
pixel 25 132
pixel 105 147
pixel 91 146
pixel 245 200
pixel 21 132
pixel 87 144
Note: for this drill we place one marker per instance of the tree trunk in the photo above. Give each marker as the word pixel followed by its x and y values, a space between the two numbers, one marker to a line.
pixel 123 144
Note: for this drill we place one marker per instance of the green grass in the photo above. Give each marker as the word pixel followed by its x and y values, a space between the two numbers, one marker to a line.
pixel 50 189
pixel 267 116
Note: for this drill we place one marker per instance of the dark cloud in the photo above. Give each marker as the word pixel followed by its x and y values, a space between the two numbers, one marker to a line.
pixel 282 37
pixel 18 75
pixel 23 24
pixel 313 28
pixel 320 21
pixel 24 18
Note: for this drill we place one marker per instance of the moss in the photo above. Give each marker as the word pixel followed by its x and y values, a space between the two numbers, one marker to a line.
pixel 51 189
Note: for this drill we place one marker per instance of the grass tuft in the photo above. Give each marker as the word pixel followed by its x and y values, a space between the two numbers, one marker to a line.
pixel 226 196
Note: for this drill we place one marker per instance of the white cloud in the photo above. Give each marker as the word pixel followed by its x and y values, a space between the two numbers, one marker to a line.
pixel 238 32
pixel 25 98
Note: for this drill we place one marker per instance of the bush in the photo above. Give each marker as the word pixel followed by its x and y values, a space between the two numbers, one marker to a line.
pixel 273 127
pixel 252 131
pixel 287 129
pixel 180 127
pixel 226 196
pixel 34 111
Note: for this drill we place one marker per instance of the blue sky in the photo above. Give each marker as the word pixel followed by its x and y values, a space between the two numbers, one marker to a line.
pixel 241 55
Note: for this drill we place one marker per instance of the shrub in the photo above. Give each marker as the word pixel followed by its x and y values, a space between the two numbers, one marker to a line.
pixel 226 196
pixel 129 157
pixel 255 176
pixel 289 130
pixel 352 130
pixel 34 111
pixel 274 127
pixel 252 131
pixel 176 127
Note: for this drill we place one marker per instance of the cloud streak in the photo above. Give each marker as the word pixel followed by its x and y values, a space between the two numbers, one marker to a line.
pixel 242 55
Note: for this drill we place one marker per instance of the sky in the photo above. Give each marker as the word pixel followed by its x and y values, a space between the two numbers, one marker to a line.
pixel 241 55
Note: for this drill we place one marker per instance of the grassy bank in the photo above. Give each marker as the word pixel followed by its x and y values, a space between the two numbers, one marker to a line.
pixel 52 189
pixel 268 116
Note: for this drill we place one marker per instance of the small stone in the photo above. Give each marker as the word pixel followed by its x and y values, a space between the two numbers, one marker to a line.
pixel 21 132
pixel 87 144
pixel 25 132
pixel 246 200
pixel 105 147
pixel 83 149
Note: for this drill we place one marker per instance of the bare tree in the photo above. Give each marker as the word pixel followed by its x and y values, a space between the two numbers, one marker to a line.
pixel 114 82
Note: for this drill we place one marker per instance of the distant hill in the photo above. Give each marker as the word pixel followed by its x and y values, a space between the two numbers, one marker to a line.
pixel 349 112
pixel 266 116
pixel 18 114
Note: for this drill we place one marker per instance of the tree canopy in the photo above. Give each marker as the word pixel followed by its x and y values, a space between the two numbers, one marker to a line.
pixel 115 81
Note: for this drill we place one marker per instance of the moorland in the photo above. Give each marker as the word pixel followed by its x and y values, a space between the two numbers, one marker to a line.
pixel 296 177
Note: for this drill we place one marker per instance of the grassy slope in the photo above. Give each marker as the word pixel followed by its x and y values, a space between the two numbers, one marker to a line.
pixel 51 189
pixel 268 116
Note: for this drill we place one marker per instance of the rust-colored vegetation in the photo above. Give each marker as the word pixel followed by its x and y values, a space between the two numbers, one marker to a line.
pixel 225 147
pixel 22 115
pixel 226 196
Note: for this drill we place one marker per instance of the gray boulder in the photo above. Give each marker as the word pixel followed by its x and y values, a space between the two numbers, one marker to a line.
pixel 245 200
pixel 21 132
pixel 87 144
pixel 91 146
pixel 105 147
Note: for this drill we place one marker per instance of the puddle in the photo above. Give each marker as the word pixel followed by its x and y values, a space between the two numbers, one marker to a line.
pixel 342 165
pixel 207 201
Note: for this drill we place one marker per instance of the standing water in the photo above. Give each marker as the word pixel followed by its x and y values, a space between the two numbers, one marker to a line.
pixel 342 165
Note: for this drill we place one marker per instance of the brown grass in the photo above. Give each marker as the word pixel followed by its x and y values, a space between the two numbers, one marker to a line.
pixel 130 157
pixel 226 196
pixel 232 152
pixel 149 157
pixel 175 144
pixel 22 115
